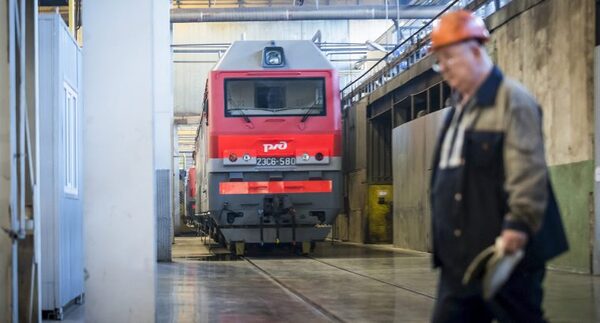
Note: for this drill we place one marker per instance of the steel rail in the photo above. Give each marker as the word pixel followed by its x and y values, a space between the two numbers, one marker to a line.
pixel 320 309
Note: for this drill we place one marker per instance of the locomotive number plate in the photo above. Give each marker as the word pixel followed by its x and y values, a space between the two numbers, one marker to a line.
pixel 275 161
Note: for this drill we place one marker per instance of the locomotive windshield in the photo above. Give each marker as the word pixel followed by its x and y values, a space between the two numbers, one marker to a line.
pixel 274 96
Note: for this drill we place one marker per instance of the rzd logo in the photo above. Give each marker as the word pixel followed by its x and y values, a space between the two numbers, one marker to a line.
pixel 282 145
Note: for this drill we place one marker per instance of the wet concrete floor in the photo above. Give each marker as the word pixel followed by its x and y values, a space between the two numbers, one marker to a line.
pixel 339 283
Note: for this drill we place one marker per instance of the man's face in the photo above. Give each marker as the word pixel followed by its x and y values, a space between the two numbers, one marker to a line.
pixel 457 64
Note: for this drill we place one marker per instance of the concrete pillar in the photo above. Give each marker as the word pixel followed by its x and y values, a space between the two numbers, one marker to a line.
pixel 123 78
pixel 5 243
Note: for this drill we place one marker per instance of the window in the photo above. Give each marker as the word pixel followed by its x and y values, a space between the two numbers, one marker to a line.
pixel 274 97
pixel 270 97
pixel 70 141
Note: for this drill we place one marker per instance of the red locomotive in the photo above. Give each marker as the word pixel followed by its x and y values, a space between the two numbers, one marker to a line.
pixel 269 145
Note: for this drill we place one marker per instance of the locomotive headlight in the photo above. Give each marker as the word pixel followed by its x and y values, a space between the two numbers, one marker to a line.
pixel 246 158
pixel 273 58
pixel 319 156
pixel 233 158
pixel 305 157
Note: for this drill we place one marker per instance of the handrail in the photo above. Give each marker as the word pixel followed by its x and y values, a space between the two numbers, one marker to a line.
pixel 414 53
pixel 401 44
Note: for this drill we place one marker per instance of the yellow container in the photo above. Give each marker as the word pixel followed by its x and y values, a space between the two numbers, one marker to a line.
pixel 380 219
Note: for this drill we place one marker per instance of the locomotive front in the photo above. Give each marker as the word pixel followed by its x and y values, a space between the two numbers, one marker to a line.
pixel 272 167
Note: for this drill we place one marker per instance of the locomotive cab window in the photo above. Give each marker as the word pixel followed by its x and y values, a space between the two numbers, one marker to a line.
pixel 270 97
pixel 275 96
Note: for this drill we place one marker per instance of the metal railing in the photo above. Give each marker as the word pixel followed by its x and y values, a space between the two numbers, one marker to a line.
pixel 410 51
pixel 22 171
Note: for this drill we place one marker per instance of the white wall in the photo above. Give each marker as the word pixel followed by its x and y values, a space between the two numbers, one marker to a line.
pixel 5 242
pixel 122 89
pixel 189 78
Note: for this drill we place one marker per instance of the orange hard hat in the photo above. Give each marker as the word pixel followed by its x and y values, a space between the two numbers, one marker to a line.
pixel 457 26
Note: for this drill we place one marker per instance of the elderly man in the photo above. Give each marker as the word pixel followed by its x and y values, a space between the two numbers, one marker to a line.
pixel 489 180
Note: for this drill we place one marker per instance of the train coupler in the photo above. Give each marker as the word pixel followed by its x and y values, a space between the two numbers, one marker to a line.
pixel 231 216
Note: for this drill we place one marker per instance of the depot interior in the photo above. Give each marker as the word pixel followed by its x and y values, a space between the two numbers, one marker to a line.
pixel 116 204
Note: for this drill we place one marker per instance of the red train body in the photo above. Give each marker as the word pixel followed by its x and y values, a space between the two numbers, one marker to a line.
pixel 269 147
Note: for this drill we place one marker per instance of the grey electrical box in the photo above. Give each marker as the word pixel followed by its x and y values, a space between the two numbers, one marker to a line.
pixel 60 180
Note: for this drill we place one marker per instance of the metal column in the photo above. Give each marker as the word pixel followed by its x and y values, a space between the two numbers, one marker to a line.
pixel 13 167
pixel 596 237
pixel 21 163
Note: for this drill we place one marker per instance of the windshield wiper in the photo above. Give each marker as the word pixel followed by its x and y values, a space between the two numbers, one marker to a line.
pixel 307 114
pixel 274 111
pixel 241 110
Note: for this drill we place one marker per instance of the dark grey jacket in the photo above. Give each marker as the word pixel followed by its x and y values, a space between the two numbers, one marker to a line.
pixel 503 182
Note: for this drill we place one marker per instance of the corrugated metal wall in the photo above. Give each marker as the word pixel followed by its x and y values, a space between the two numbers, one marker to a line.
pixel 164 234
pixel 413 144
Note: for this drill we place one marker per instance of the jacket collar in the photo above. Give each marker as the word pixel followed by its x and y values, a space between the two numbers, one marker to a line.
pixel 486 94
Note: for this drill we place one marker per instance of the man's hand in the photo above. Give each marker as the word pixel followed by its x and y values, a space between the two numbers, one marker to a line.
pixel 513 240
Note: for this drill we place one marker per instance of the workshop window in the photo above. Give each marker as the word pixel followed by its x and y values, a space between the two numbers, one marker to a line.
pixel 70 141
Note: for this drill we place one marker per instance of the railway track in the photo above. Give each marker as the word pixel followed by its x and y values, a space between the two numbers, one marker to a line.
pixel 295 293
pixel 317 308
pixel 372 278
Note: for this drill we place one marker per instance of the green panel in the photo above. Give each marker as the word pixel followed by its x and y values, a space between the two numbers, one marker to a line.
pixel 573 185
pixel 380 213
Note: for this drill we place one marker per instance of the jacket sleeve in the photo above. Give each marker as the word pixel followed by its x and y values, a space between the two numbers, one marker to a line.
pixel 525 168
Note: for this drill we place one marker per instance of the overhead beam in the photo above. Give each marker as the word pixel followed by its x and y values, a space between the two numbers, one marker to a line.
pixel 179 15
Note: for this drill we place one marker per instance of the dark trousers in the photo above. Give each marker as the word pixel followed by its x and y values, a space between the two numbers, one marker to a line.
pixel 520 300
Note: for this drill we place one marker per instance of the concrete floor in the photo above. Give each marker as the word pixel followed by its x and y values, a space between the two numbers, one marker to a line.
pixel 341 283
